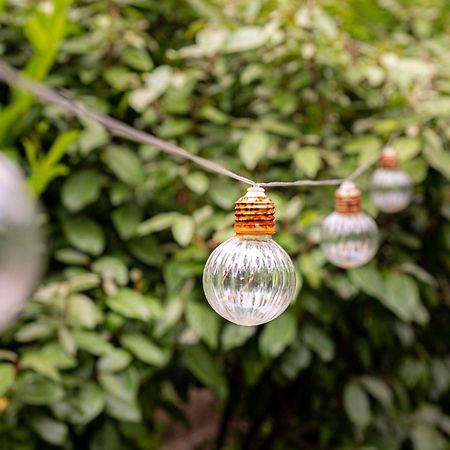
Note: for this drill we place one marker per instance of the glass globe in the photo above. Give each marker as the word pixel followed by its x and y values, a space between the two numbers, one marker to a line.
pixel 21 244
pixel 391 190
pixel 249 280
pixel 349 240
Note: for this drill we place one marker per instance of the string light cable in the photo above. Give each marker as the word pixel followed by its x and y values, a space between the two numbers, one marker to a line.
pixel 70 104
pixel 249 279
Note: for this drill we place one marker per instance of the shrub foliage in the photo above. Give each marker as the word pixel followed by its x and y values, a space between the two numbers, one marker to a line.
pixel 277 90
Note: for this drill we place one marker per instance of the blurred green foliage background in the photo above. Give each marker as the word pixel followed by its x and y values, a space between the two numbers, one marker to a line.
pixel 119 335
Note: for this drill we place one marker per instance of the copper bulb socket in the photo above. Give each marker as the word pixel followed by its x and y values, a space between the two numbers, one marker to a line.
pixel 389 158
pixel 254 214
pixel 347 199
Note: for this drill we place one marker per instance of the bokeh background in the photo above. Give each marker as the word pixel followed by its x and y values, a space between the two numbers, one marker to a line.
pixel 118 348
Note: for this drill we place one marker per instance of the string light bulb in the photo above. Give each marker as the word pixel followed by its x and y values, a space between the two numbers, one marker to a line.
pixel 21 243
pixel 349 237
pixel 391 187
pixel 249 279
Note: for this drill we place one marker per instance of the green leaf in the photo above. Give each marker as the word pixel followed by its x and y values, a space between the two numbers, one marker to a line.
pixel 33 389
pixel 183 230
pixel 59 147
pixel 83 282
pixel 356 145
pixel 416 169
pixel 378 389
pixel 197 182
pixel 115 361
pixel 145 350
pixel 85 235
pixel 234 336
pixel 81 189
pixel 402 298
pixel 34 331
pixel 426 437
pixel 7 376
pixel 438 158
pixel 318 341
pixel 48 360
pixel 407 148
pixel 93 136
pixel 147 250
pixel 126 220
pixel 50 430
pixel 82 311
pixel 308 160
pixel 206 369
pixel 357 405
pixel 296 359
pixel 111 268
pixel 253 148
pixel 137 58
pixel 369 280
pixel 156 83
pixel 70 256
pixel 39 365
pixel 157 223
pixel 125 411
pixel 124 385
pixel 132 304
pixel 124 164
pixel 245 38
pixel 277 335
pixel 93 343
pixel 87 404
pixel 204 321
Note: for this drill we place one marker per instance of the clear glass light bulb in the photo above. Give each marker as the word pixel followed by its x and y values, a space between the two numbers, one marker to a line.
pixel 349 238
pixel 391 188
pixel 21 243
pixel 249 279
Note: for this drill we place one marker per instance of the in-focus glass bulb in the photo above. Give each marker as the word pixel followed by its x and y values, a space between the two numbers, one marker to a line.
pixel 391 188
pixel 349 238
pixel 21 243
pixel 249 279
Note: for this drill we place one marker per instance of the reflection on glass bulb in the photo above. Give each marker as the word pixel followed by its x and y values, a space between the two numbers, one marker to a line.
pixel 21 244
pixel 349 238
pixel 391 190
pixel 249 280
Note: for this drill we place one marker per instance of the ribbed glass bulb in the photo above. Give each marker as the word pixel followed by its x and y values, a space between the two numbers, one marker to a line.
pixel 391 190
pixel 349 237
pixel 21 245
pixel 249 280
pixel 349 240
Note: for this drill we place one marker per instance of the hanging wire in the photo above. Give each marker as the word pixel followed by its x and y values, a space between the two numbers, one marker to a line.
pixel 67 102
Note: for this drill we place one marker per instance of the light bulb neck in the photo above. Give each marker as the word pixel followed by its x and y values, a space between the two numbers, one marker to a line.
pixel 254 214
pixel 347 199
pixel 255 237
pixel 389 158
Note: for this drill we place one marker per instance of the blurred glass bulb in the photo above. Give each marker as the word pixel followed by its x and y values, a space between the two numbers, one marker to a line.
pixel 349 237
pixel 391 188
pixel 21 243
pixel 249 279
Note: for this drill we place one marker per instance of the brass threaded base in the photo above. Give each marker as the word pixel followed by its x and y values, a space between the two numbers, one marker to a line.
pixel 254 214
pixel 347 199
pixel 389 158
